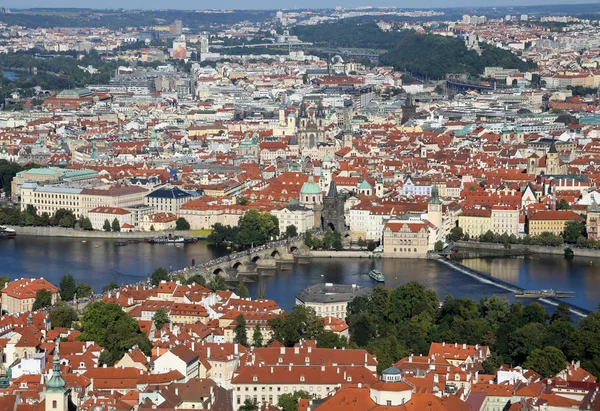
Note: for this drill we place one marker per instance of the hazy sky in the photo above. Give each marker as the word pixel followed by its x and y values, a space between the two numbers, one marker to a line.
pixel 273 4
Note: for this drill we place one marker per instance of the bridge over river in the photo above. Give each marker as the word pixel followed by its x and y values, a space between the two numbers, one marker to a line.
pixel 251 262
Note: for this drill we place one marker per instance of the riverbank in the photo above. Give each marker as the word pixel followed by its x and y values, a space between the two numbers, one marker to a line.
pixel 69 232
pixel 474 249
pixel 343 254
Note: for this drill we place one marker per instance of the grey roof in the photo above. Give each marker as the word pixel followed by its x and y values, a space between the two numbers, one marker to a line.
pixel 173 193
pixel 332 293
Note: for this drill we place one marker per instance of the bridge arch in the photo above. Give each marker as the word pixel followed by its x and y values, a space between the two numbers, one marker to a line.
pixel 218 271
pixel 256 258
pixel 330 227
pixel 237 265
pixel 276 254
pixel 294 249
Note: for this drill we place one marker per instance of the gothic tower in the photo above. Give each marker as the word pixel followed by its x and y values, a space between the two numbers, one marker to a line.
pixel 333 210
pixel 434 208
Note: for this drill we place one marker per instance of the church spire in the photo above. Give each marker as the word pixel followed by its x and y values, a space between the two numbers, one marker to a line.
pixel 56 382
pixel 435 195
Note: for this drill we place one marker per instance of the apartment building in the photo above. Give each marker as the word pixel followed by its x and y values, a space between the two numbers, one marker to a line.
pixel 552 221
pixel 18 296
pixel 407 239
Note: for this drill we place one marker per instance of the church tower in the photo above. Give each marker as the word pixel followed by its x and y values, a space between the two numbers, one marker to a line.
pixel 552 160
pixel 379 190
pixel 333 210
pixel 434 208
pixel 57 395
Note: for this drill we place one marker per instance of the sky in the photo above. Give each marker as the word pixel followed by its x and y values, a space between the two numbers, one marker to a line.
pixel 274 4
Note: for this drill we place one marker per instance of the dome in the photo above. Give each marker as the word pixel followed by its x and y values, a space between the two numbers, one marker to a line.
pixel 364 185
pixel 326 159
pixel 310 187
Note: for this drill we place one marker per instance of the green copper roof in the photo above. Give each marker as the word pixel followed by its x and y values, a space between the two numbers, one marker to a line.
pixel 56 382
pixel 310 187
pixel 435 195
pixel 364 185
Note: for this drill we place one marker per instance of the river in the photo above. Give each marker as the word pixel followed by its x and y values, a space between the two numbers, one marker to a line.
pixel 99 261
pixel 14 75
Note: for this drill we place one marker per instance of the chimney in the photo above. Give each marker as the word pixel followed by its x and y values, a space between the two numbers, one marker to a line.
pixel 235 348
pixel 464 346
pixel 322 368
pixel 290 367
pixel 208 352
pixel 344 375
pixel 177 391
pixel 281 350
pixel 194 346
pixel 436 378
pixel 410 358
pixel 366 362
pixel 296 350
pixel 443 343
pixel 271 370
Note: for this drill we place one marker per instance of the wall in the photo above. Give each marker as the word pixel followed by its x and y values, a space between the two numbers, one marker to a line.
pixel 520 249
pixel 67 232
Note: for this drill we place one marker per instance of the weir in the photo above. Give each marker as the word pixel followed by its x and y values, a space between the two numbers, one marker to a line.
pixel 488 279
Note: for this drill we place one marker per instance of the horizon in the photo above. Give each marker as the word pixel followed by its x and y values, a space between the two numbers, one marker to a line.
pixel 237 5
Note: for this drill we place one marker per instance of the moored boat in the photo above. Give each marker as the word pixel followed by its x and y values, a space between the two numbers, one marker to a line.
pixel 7 232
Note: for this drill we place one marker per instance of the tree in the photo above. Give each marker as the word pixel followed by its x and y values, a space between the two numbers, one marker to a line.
pixel 248 405
pixel 573 230
pixel 439 246
pixel 4 279
pixel 116 226
pixel 456 234
pixel 196 279
pixel 562 313
pixel 289 402
pixel 569 254
pixel 329 339
pixel 548 361
pixel 84 290
pixel 492 363
pixel 291 231
pixel 361 243
pixel 217 283
pixel 152 227
pixel 158 275
pixel 371 246
pixel 43 299
pixel 110 286
pixel 160 318
pixel 182 224
pixel 241 290
pixel 86 224
pixel 106 226
pixel 562 204
pixel 301 323
pixel 257 228
pixel 242 201
pixel 257 338
pixel 67 287
pixel 411 299
pixel 109 326
pixel 62 315
pixel 241 336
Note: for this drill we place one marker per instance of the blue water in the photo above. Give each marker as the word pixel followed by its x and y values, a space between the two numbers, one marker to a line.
pixel 13 75
pixel 98 262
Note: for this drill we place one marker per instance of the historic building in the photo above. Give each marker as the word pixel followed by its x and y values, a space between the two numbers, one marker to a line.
pixel 311 126
pixel 333 210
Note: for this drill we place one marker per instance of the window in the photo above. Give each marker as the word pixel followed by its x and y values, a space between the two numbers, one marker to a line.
pixel 54 404
pixel 389 403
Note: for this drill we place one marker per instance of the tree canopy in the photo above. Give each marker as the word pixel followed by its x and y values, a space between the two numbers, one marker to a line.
pixel 158 275
pixel 43 299
pixel 62 315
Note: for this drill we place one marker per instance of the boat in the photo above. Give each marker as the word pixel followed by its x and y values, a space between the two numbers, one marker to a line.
pixel 7 232
pixel 121 243
pixel 535 293
pixel 169 239
pixel 377 276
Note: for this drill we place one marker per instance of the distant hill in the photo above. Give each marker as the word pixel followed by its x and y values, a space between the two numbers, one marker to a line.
pixel 424 55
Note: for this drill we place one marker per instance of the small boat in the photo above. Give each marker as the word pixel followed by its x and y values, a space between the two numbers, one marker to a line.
pixel 97 246
pixel 121 243
pixel 7 232
pixel 169 239
pixel 83 241
pixel 535 293
pixel 377 276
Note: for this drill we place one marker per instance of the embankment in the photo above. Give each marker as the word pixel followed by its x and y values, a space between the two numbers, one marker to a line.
pixel 69 232
pixel 342 254
pixel 473 249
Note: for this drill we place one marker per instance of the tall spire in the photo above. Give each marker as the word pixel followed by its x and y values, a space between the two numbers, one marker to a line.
pixel 56 382
pixel 435 195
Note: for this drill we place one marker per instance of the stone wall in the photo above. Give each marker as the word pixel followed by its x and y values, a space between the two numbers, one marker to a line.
pixel 493 249
pixel 69 232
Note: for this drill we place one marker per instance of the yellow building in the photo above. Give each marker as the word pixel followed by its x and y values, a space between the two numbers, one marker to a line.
pixel 18 296
pixel 552 221
pixel 475 221
pixel 407 239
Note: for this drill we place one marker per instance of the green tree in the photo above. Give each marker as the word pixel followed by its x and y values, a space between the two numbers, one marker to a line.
pixel 182 224
pixel 196 279
pixel 547 361
pixel 116 226
pixel 361 243
pixel 257 338
pixel 455 234
pixel 438 246
pixel 241 290
pixel 106 226
pixel 569 254
pixel 291 231
pixel 86 224
pixel 242 201
pixel 371 245
pixel 62 315
pixel 158 275
pixel 4 279
pixel 152 228
pixel 217 283
pixel 43 299
pixel 492 363
pixel 248 405
pixel 67 287
pixel 329 339
pixel 562 313
pixel 573 230
pixel 84 290
pixel 110 286
pixel 562 204
pixel 301 323
pixel 241 336
pixel 112 328
pixel 411 299
pixel 257 228
pixel 524 340
pixel 160 318
pixel 289 402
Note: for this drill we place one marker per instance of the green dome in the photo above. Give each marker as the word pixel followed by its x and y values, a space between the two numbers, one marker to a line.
pixel 364 185
pixel 56 382
pixel 310 187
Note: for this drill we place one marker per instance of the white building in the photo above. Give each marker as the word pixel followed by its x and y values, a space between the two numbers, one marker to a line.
pixel 99 215
pixel 296 215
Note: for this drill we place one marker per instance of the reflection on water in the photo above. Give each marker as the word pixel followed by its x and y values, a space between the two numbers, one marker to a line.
pixel 98 262
pixel 539 272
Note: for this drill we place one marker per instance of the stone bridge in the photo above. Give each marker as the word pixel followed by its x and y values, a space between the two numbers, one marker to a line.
pixel 248 262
